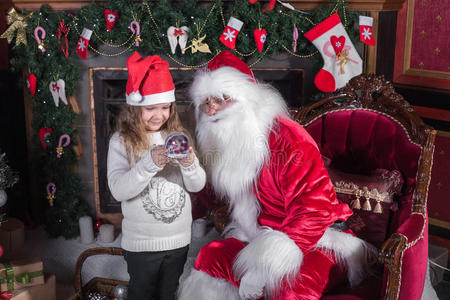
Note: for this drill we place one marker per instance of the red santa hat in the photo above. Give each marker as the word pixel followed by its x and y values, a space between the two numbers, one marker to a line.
pixel 149 81
pixel 226 74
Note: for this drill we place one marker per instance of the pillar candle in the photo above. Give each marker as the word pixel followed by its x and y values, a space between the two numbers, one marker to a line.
pixel 199 228
pixel 106 233
pixel 86 230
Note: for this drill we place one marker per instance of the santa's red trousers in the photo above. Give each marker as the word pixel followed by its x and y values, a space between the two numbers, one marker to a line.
pixel 318 273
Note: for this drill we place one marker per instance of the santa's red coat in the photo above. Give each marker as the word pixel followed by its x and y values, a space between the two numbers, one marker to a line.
pixel 297 198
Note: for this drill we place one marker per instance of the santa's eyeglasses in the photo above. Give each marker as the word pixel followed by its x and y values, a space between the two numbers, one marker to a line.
pixel 214 102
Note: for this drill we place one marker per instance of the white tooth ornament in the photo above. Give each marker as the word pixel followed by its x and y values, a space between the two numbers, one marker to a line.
pixel 177 36
pixel 57 89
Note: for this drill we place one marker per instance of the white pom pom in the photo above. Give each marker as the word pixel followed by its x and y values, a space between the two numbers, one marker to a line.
pixel 135 97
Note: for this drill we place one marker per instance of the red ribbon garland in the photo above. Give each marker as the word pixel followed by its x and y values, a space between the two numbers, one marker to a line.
pixel 63 29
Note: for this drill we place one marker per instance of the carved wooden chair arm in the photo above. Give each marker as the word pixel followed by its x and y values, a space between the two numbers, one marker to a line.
pixel 390 255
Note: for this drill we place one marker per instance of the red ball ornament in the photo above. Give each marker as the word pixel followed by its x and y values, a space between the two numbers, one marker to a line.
pixel 1 250
pixel 97 225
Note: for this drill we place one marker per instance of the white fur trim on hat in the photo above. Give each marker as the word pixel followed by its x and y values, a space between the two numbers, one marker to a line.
pixel 136 99
pixel 223 81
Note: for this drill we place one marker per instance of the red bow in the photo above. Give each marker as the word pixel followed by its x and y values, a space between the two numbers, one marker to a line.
pixel 6 295
pixel 177 32
pixel 55 86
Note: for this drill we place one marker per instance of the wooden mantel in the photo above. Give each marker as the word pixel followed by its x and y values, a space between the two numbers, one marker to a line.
pixel 363 5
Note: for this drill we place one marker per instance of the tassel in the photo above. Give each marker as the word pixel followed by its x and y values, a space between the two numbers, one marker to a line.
pixel 356 204
pixel 378 209
pixel 367 206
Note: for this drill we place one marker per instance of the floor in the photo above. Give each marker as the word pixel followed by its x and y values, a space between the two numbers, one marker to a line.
pixel 59 257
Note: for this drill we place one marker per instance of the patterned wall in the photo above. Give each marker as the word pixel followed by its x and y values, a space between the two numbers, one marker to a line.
pixel 430 48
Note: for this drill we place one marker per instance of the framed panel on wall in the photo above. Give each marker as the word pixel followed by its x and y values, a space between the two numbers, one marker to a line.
pixel 422 50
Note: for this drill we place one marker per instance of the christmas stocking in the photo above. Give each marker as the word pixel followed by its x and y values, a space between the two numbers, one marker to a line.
pixel 83 42
pixel 110 18
pixel 229 35
pixel 341 60
pixel 365 30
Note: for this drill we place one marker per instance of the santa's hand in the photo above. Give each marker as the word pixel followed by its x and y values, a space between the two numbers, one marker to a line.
pixel 251 287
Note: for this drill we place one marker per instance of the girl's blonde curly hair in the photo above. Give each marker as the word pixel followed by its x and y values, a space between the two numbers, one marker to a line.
pixel 134 134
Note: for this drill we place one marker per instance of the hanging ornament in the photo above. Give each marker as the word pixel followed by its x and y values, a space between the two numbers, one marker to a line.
pixel 341 66
pixel 260 36
pixel 178 36
pixel 294 39
pixel 111 18
pixel 136 29
pixel 63 30
pixel 230 33
pixel 17 22
pixel 198 45
pixel 83 43
pixel 57 89
pixel 31 84
pixel 44 134
pixel 365 30
pixel 64 141
pixel 51 190
pixel 38 39
pixel 269 6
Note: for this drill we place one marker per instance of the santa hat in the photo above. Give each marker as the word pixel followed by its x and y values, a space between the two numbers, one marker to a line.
pixel 226 74
pixel 149 81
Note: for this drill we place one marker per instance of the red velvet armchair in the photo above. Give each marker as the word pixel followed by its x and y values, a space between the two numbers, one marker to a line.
pixel 366 126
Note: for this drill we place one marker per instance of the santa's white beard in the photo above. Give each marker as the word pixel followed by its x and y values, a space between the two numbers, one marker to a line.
pixel 234 147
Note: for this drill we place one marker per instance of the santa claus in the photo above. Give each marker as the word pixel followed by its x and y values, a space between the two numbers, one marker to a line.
pixel 282 242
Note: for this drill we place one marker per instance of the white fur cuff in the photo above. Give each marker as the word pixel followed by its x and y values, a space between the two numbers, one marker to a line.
pixel 271 257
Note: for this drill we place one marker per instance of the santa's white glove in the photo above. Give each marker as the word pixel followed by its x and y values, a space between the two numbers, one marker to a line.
pixel 251 286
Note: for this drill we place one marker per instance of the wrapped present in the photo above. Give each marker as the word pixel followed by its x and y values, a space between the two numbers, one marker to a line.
pixel 20 274
pixel 46 291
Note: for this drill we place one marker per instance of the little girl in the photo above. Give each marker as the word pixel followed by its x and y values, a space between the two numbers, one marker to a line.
pixel 152 189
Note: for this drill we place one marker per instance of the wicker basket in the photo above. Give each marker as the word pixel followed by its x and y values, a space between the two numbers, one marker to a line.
pixel 103 285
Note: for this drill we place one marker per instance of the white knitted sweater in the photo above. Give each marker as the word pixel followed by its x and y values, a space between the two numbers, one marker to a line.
pixel 155 204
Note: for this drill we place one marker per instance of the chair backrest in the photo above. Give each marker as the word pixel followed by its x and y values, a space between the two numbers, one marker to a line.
pixel 366 125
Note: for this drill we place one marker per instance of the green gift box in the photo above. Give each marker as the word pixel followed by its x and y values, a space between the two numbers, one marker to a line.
pixel 20 274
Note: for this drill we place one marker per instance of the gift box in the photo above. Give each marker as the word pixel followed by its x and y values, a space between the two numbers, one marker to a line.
pixel 46 291
pixel 19 274
pixel 12 236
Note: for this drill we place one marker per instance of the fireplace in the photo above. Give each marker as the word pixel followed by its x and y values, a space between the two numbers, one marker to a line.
pixel 107 96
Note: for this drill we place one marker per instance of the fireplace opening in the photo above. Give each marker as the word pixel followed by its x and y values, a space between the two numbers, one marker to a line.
pixel 107 89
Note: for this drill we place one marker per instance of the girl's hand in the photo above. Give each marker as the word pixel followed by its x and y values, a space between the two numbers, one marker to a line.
pixel 186 162
pixel 159 157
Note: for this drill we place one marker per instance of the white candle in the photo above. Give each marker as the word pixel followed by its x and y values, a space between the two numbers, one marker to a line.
pixel 106 233
pixel 86 230
pixel 199 228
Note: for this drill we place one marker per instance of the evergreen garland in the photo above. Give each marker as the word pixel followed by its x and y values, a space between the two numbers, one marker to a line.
pixel 154 19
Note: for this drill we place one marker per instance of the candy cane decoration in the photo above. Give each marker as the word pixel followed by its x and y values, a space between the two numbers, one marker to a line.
pixel 38 40
pixel 51 190
pixel 294 39
pixel 136 29
pixel 63 138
